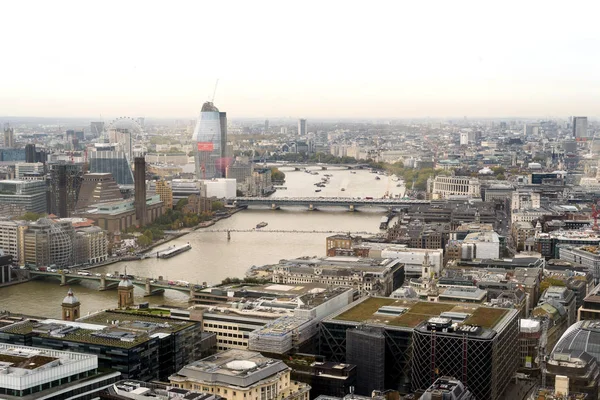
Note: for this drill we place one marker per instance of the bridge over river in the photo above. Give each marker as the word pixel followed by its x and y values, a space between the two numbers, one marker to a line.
pixel 314 202
pixel 151 286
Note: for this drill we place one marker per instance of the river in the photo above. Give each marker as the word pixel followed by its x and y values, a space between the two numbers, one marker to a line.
pixel 213 258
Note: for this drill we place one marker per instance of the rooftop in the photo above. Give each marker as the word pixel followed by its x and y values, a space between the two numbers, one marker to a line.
pixel 108 328
pixel 411 313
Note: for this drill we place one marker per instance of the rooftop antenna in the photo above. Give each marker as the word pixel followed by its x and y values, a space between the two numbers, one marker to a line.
pixel 215 91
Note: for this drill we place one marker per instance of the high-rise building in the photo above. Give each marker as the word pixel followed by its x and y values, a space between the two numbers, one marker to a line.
pixel 210 138
pixel 30 153
pixel 165 192
pixel 97 127
pixel 580 126
pixel 97 188
pixel 140 190
pixel 9 237
pixel 302 127
pixel 65 182
pixel 266 125
pixel 29 195
pixel 114 162
pixel 9 137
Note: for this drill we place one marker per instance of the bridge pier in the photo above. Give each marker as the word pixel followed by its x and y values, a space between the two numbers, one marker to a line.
pixel 274 206
pixel 63 279
pixel 351 207
pixel 102 282
pixel 310 207
pixel 150 291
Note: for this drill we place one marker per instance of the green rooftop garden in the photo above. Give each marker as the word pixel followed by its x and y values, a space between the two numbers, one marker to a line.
pixel 486 317
pixel 366 309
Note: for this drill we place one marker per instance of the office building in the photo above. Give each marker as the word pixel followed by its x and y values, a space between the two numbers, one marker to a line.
pixel 586 256
pixel 302 127
pixel 482 351
pixel 368 276
pixel 221 188
pixel 580 128
pixel 576 356
pixel 365 348
pixel 49 374
pixel 9 237
pixel 138 345
pixel 266 125
pixel 210 139
pixel 164 191
pixel 325 378
pixel 28 195
pixel 444 187
pixel 97 188
pixel 6 261
pixel 564 297
pixel 113 162
pixel 138 390
pixel 591 306
pixel 47 242
pixel 90 245
pixel 21 169
pixel 65 182
pixel 9 137
pixel 140 191
pixel 30 153
pixel 397 320
pixel 237 374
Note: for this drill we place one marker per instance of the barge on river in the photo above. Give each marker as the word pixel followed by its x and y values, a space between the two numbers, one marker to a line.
pixel 173 251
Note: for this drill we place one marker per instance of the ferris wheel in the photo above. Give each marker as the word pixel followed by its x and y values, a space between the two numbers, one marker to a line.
pixel 125 131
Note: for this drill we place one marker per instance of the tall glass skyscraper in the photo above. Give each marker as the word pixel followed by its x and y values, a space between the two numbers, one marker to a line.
pixel 210 138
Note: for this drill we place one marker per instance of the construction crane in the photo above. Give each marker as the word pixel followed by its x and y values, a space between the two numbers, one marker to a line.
pixel 214 91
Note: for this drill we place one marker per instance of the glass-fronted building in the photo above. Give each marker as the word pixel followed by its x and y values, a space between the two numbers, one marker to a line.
pixel 28 195
pixel 114 162
pixel 210 138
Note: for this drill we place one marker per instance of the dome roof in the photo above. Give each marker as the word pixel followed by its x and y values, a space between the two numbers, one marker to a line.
pixel 581 336
pixel 125 282
pixel 71 298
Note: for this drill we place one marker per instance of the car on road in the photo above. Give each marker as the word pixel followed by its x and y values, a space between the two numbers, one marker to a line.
pixel 98 274
pixel 84 273
pixel 110 276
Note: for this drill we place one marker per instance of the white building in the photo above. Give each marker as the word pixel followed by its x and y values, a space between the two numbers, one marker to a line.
pixel 221 188
pixel 445 186
pixel 28 168
pixel 522 200
pixel 486 244
pixel 28 371
pixel 413 258
pixel 9 237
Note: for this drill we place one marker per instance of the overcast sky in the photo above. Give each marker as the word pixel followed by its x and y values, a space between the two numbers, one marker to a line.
pixel 300 58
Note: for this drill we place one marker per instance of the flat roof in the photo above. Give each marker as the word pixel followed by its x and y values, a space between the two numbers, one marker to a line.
pixel 365 311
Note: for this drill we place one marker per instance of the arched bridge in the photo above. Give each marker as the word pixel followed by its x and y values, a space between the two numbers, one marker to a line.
pixel 314 202
pixel 151 286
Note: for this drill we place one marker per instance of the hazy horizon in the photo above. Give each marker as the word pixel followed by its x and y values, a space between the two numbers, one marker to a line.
pixel 319 60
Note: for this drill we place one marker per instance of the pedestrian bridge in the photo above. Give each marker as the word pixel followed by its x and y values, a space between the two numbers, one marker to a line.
pixel 150 286
pixel 313 203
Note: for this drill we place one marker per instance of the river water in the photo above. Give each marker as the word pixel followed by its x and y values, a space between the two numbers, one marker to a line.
pixel 213 258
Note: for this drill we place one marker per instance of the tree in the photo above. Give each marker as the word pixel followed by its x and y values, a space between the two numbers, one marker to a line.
pixel 216 206
pixel 30 216
pixel 148 233
pixel 180 204
pixel 277 175
pixel 500 177
pixel 144 241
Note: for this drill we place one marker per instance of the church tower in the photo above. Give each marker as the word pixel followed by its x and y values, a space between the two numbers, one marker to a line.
pixel 125 290
pixel 70 307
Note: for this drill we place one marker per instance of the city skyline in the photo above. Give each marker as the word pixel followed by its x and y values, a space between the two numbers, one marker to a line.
pixel 387 61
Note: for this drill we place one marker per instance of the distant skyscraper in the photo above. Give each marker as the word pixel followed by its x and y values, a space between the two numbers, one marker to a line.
pixel 9 137
pixel 210 137
pixel 65 182
pixel 30 153
pixel 301 127
pixel 114 162
pixel 140 190
pixel 266 125
pixel 97 127
pixel 580 125
pixel 141 121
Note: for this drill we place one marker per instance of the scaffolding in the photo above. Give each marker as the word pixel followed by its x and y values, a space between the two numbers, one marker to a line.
pixel 366 349
pixel 282 335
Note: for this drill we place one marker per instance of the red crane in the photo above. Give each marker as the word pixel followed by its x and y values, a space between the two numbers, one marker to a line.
pixel 595 215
